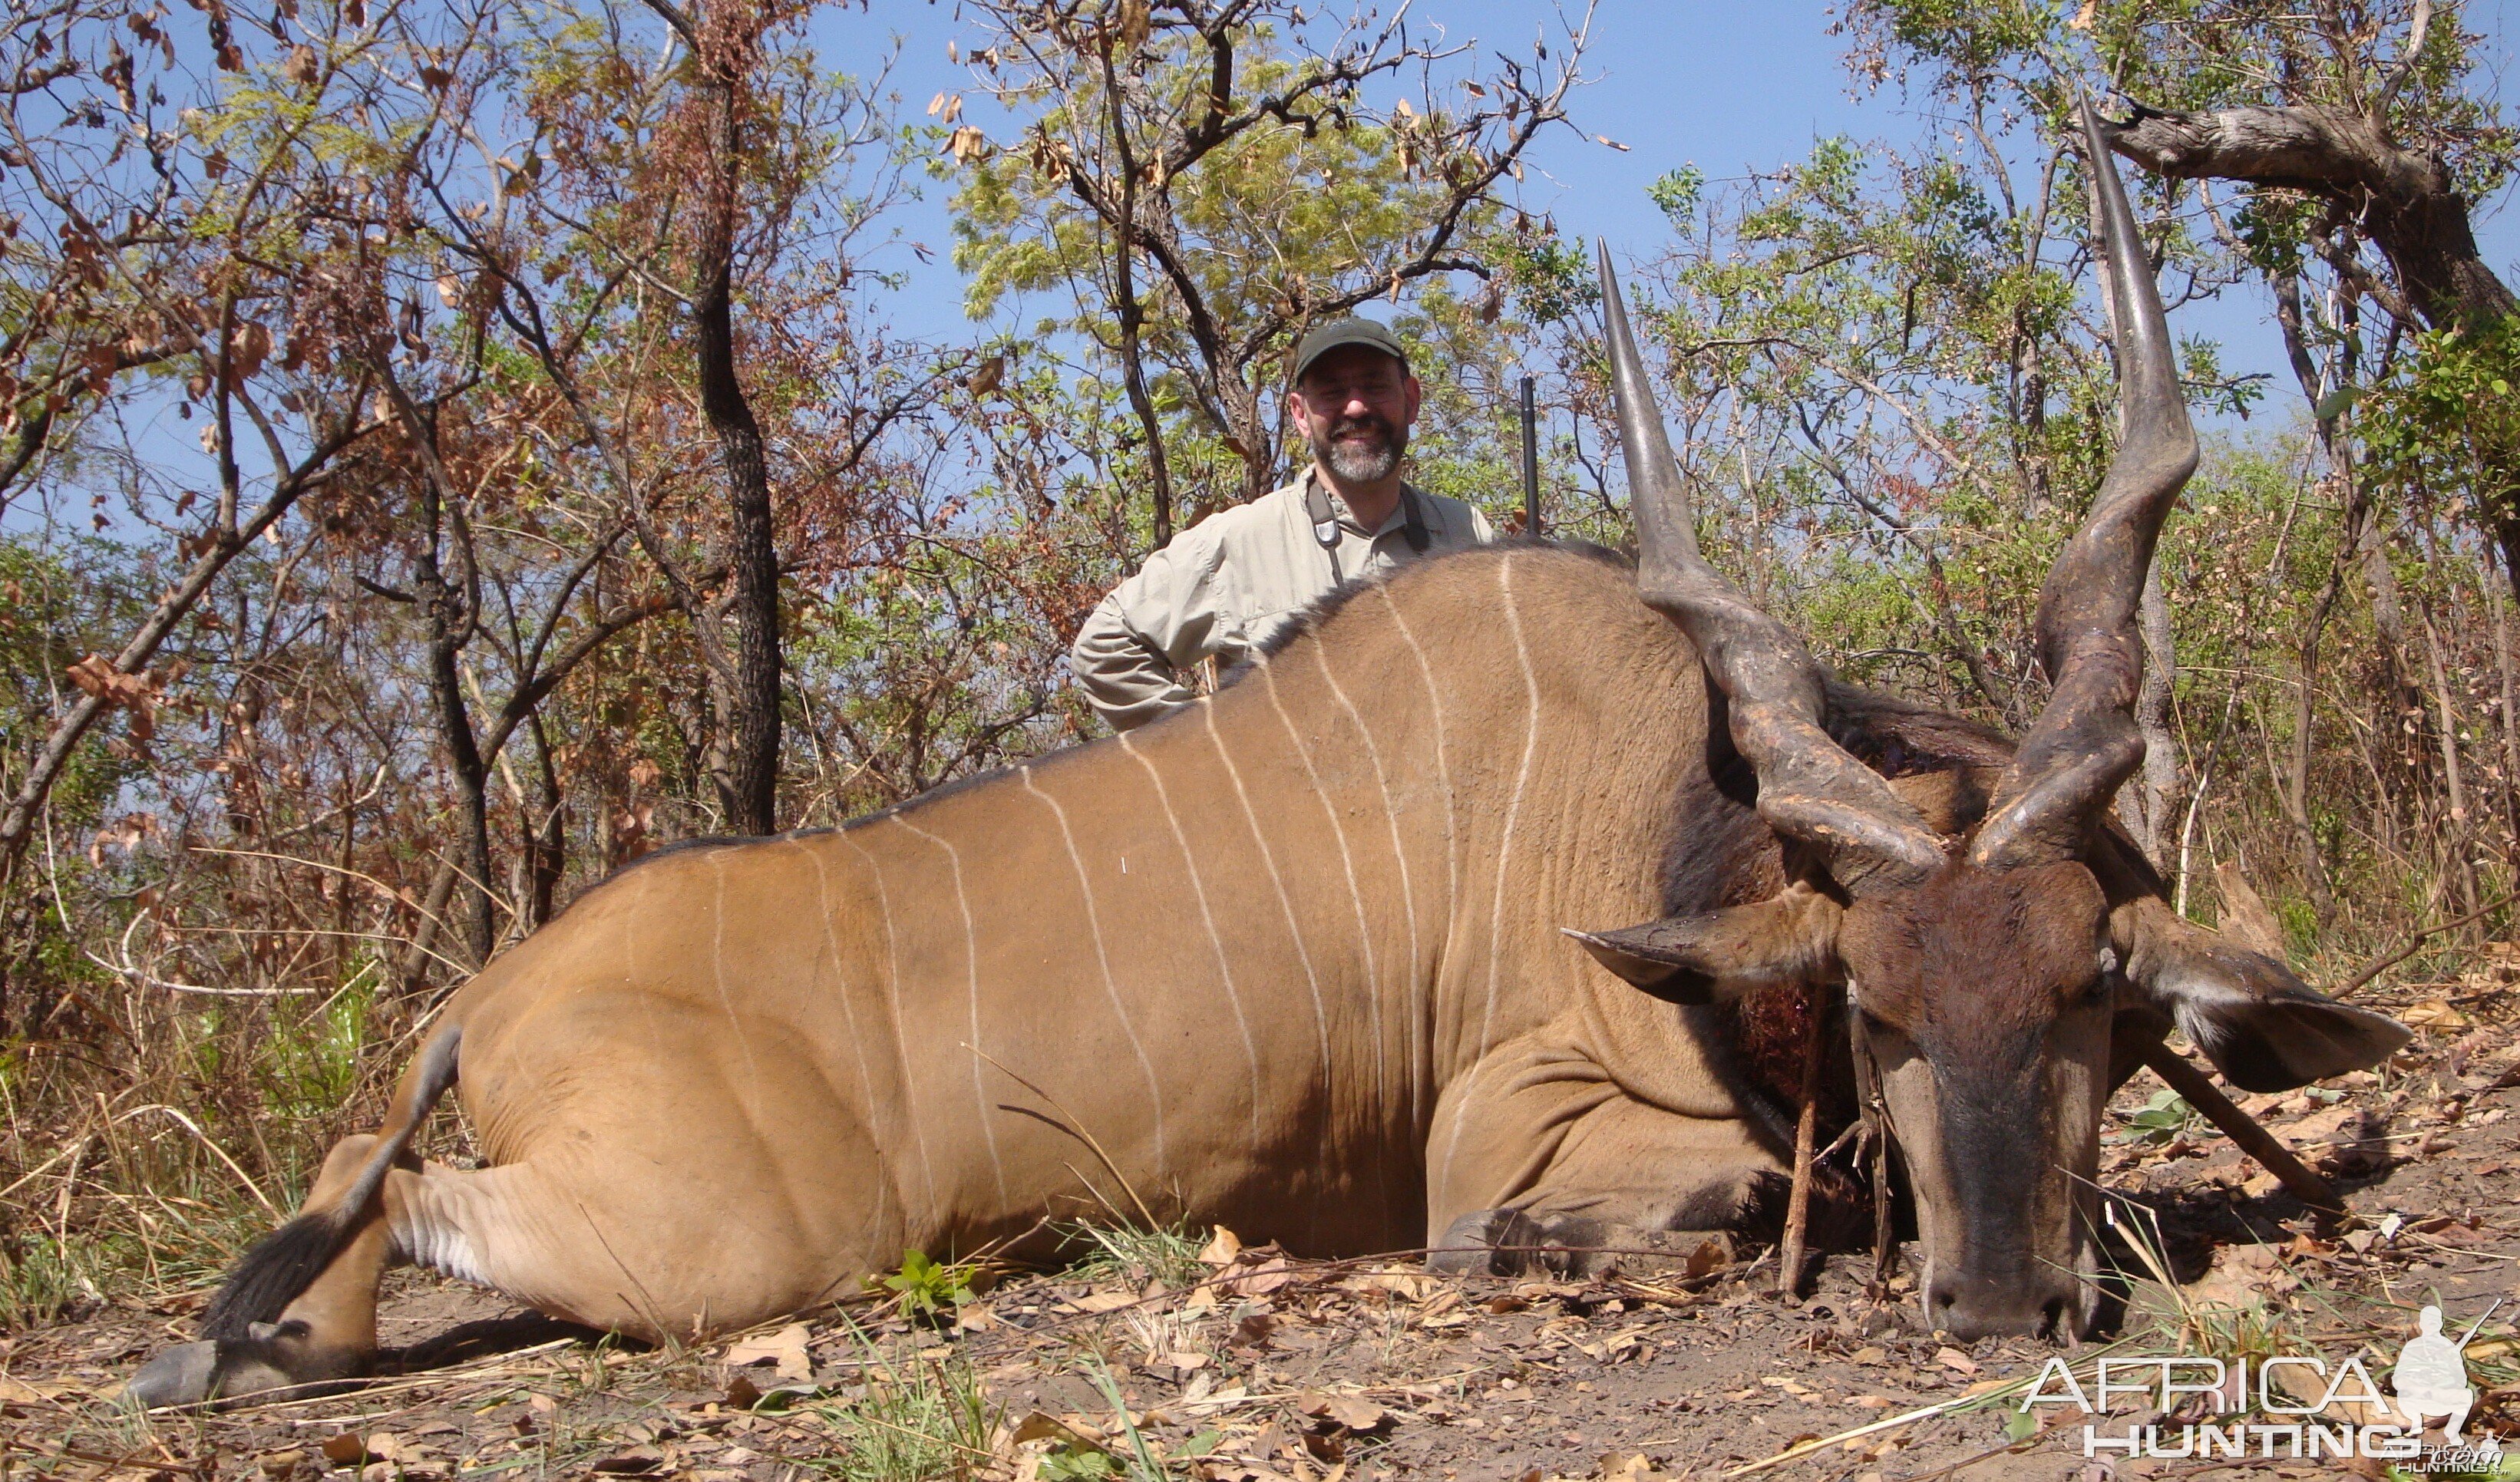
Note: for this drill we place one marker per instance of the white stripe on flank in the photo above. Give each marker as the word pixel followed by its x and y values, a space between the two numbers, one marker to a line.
pixel 1504 843
pixel 1382 784
pixel 1269 862
pixel 848 1004
pixel 717 973
pixel 1399 855
pixel 900 1039
pixel 1093 920
pixel 1443 768
pixel 1207 918
pixel 1355 896
pixel 971 971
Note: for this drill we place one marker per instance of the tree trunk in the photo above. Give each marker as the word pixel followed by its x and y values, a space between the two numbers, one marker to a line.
pixel 1132 314
pixel 750 721
pixel 2506 540
pixel 420 952
pixel 545 835
pixel 2495 601
pixel 2152 715
pixel 1251 430
pixel 2455 837
pixel 2403 201
pixel 447 611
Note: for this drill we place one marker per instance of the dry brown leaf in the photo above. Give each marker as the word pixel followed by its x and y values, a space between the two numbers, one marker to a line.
pixel 17 1391
pixel 2344 1137
pixel 97 676
pixel 2245 917
pixel 1264 1278
pixel 1411 1285
pixel 2434 1014
pixel 248 350
pixel 1350 1411
pixel 345 1449
pixel 2243 1277
pixel 783 1349
pixel 1221 1248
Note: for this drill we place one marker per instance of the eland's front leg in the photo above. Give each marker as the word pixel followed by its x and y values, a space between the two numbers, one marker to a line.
pixel 1541 1161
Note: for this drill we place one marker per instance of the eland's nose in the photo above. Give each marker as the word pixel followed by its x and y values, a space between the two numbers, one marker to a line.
pixel 1970 1309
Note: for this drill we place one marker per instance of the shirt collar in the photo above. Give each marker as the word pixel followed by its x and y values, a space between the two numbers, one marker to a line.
pixel 1347 519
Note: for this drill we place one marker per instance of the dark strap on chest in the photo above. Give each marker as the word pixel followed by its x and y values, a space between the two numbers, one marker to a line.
pixel 1324 518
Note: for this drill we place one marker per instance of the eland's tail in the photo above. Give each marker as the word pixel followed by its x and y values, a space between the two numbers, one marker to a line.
pixel 282 1264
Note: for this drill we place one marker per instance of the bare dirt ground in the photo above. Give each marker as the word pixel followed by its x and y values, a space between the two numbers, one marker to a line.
pixel 1151 1364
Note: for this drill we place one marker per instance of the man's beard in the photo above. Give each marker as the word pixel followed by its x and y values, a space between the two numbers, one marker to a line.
pixel 1366 461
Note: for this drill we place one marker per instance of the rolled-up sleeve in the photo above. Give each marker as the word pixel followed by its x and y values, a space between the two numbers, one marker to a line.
pixel 1131 651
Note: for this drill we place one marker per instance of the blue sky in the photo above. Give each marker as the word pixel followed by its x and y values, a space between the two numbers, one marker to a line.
pixel 1731 87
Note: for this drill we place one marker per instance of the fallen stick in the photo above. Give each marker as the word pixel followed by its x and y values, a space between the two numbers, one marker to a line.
pixel 1801 1449
pixel 2413 945
pixel 1790 1251
pixel 2201 1092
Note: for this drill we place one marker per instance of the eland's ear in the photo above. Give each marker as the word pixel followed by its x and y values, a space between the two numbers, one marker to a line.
pixel 1722 955
pixel 2264 1028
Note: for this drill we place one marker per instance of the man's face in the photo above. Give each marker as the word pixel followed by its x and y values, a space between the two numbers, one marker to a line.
pixel 1355 405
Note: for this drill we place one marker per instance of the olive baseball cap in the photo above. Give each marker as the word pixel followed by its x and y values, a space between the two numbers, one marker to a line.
pixel 1329 336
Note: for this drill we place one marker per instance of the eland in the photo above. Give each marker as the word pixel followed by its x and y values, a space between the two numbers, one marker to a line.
pixel 1293 959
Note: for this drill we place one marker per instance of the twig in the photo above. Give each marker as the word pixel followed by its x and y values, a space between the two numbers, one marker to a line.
pixel 1077 1129
pixel 1790 1252
pixel 1802 1448
pixel 2242 1128
pixel 194 1128
pixel 189 1125
pixel 2382 964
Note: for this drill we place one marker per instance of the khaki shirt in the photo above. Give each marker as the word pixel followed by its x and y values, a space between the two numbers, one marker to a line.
pixel 1226 585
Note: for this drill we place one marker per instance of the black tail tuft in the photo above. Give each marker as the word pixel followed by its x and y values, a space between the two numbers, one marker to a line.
pixel 281 1265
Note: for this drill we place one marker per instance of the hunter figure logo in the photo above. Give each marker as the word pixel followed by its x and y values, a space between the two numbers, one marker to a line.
pixel 2302 1401
pixel 2431 1378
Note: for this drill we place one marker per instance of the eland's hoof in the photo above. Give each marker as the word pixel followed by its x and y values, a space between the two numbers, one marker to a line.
pixel 1487 1242
pixel 184 1374
pixel 274 1358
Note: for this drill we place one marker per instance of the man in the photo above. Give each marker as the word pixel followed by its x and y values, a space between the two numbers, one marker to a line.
pixel 1224 586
